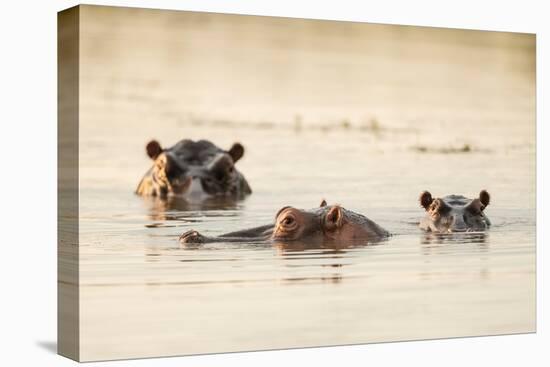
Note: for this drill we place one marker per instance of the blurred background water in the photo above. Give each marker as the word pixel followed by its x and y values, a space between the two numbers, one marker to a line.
pixel 363 115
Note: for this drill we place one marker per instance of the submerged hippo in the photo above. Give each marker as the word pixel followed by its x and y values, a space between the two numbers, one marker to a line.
pixel 326 223
pixel 454 213
pixel 193 168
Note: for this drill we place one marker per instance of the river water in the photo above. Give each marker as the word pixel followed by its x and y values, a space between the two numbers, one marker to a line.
pixel 366 116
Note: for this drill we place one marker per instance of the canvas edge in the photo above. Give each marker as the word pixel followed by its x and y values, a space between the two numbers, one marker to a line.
pixel 68 305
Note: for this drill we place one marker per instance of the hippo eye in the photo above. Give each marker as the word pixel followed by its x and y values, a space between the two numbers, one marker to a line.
pixel 173 171
pixel 287 221
pixel 475 212
pixel 219 176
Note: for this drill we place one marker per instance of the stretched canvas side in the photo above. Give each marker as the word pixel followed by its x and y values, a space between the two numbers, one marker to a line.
pixel 67 171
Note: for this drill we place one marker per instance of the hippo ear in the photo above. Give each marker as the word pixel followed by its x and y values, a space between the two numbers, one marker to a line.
pixel 475 207
pixel 236 152
pixel 485 198
pixel 425 199
pixel 323 203
pixel 153 149
pixel 334 219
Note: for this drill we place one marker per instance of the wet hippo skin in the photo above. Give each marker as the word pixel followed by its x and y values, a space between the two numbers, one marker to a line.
pixel 193 169
pixel 322 224
pixel 454 213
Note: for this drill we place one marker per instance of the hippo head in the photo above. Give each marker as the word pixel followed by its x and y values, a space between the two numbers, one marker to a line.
pixel 454 213
pixel 325 225
pixel 328 222
pixel 192 168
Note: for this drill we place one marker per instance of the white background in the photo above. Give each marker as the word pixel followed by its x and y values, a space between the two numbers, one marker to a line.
pixel 28 184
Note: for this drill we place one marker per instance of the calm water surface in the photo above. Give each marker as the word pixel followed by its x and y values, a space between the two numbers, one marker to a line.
pixel 140 289
pixel 373 151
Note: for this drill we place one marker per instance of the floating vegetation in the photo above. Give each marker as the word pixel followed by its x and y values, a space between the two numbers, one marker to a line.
pixel 372 125
pixel 466 148
pixel 230 124
pixel 345 124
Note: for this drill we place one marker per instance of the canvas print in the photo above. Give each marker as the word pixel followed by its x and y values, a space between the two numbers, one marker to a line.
pixel 238 183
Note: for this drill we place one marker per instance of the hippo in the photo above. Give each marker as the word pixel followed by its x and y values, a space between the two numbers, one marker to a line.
pixel 454 213
pixel 193 169
pixel 327 223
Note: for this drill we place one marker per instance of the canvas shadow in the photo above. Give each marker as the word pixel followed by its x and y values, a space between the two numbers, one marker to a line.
pixel 49 345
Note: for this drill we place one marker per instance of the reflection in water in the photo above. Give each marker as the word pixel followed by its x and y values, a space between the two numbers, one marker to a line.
pixel 446 238
pixel 330 247
pixel 179 208
pixel 335 278
pixel 325 255
pixel 433 242
pixel 303 254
